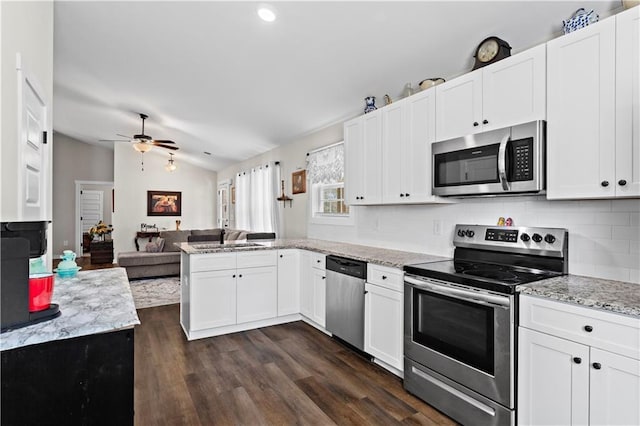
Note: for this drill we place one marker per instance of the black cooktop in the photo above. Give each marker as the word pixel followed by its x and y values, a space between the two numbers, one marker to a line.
pixel 488 276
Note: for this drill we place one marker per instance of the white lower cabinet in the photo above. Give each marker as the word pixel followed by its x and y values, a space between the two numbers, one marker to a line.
pixel 313 287
pixel 383 316
pixel 575 382
pixel 257 292
pixel 288 282
pixel 213 299
pixel 383 325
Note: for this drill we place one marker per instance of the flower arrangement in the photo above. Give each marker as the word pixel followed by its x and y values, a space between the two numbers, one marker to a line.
pixel 100 230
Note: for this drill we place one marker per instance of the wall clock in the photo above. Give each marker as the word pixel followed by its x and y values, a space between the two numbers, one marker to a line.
pixel 490 50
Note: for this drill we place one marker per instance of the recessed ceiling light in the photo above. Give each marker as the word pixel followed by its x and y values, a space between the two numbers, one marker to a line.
pixel 266 12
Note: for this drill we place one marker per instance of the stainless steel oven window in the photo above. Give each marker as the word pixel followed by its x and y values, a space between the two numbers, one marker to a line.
pixel 456 328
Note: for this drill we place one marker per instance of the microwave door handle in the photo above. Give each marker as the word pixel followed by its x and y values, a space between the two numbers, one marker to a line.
pixel 502 162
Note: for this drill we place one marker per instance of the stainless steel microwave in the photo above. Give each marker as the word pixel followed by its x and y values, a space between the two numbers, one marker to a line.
pixel 503 161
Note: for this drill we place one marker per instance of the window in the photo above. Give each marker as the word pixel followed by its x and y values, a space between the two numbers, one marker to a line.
pixel 325 171
pixel 329 199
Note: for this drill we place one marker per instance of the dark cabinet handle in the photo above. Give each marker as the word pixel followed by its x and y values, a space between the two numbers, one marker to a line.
pixel 604 183
pixel 406 195
pixel 240 276
pixel 234 275
pixel 281 256
pixel 597 365
pixel 384 277
pixel 622 182
pixel 485 121
pixel 365 292
pixel 318 261
pixel 588 328
pixel 324 278
pixel 475 124
pixel 402 195
pixel 577 360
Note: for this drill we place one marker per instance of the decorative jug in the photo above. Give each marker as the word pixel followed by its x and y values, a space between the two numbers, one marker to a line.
pixel 68 260
pixel 370 104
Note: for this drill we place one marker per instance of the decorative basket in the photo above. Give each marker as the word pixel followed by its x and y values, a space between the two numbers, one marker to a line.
pixel 580 19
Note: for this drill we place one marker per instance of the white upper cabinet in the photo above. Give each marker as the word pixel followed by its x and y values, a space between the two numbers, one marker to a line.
pixel 628 103
pixel 508 92
pixel 363 159
pixel 593 110
pixel 408 131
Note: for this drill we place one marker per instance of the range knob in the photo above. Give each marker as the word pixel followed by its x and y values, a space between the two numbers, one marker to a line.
pixel 469 233
pixel 525 237
pixel 536 237
pixel 460 233
pixel 549 238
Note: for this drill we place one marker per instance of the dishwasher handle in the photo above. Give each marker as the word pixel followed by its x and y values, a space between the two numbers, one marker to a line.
pixel 345 266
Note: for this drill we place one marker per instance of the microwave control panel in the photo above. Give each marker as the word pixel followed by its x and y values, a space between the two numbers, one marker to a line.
pixel 522 160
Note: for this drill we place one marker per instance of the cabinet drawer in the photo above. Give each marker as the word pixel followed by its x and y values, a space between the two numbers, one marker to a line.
pixel 609 331
pixel 384 276
pixel 251 259
pixel 212 262
pixel 318 261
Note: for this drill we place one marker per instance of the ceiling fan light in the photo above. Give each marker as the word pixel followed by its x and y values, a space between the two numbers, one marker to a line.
pixel 142 147
pixel 170 167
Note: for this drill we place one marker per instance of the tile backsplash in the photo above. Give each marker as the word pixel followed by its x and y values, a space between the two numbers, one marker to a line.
pixel 604 235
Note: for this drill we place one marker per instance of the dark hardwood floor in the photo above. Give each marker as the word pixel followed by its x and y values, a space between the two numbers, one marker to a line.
pixel 280 375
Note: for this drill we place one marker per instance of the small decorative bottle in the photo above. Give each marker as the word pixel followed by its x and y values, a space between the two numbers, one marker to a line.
pixel 370 104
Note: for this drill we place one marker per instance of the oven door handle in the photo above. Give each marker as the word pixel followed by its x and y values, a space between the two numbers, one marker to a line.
pixel 470 296
pixel 502 162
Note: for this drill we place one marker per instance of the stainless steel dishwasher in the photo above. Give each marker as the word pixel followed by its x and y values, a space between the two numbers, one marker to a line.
pixel 345 299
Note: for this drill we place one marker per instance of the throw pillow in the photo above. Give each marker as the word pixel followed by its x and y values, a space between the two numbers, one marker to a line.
pixel 155 246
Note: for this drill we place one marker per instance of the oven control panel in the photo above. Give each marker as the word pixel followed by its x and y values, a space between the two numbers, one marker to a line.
pixel 498 234
pixel 542 241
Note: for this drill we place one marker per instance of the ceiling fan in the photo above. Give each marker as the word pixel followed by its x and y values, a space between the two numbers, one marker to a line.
pixel 143 143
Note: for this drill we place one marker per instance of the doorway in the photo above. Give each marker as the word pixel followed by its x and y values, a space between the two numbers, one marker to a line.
pixel 94 202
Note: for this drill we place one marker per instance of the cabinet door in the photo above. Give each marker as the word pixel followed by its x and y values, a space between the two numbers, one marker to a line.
pixel 353 161
pixel 581 113
pixel 257 293
pixel 306 284
pixel 459 105
pixel 213 299
pixel 288 282
pixel 319 296
pixel 372 158
pixel 615 389
pixel 393 147
pixel 514 89
pixel 383 325
pixel 553 380
pixel 420 119
pixel 628 103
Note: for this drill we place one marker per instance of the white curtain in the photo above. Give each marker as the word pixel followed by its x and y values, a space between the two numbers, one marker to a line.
pixel 256 204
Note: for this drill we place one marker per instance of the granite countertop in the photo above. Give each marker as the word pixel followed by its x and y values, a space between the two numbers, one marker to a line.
pixel 615 296
pixel 93 302
pixel 380 256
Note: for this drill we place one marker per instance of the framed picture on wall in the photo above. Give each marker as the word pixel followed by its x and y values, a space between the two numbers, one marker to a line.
pixel 164 203
pixel 299 181
pixel 233 195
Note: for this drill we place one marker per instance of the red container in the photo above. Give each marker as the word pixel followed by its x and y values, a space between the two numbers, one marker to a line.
pixel 40 291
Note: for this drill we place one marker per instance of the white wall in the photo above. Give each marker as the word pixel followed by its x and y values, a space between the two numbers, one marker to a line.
pixel 75 160
pixel 25 28
pixel 198 187
pixel 292 157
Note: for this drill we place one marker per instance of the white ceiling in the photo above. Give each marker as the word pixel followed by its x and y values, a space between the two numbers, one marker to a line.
pixel 213 77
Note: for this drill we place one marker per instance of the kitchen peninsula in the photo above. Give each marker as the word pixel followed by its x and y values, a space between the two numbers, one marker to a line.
pixel 79 367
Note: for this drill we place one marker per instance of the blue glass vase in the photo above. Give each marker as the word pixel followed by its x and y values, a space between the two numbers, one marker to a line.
pixel 370 104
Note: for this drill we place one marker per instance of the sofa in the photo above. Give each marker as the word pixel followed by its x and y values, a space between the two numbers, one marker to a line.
pixel 161 257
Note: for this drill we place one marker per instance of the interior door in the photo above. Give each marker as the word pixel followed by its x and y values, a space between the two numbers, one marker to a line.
pixel 34 152
pixel 91 208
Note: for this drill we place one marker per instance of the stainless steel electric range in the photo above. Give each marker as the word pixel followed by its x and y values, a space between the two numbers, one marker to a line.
pixel 461 319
